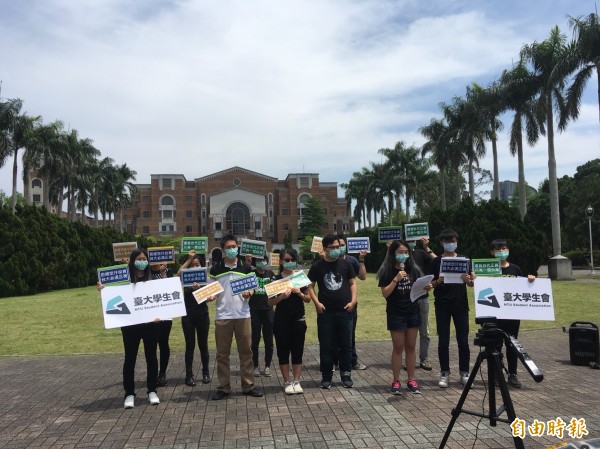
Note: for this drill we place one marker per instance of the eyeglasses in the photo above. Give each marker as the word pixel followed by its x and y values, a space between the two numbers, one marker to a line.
pixel 288 260
pixel 333 247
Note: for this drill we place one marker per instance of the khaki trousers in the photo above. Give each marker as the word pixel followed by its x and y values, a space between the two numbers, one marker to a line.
pixel 224 332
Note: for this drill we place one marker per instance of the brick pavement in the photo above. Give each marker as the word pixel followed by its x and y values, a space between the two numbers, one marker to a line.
pixel 77 402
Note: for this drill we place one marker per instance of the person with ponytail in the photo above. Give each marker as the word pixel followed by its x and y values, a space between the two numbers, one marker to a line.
pixel 396 277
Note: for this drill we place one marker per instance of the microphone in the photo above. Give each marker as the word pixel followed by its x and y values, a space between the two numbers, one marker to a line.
pixel 401 266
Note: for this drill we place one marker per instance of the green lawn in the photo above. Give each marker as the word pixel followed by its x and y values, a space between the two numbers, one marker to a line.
pixel 70 321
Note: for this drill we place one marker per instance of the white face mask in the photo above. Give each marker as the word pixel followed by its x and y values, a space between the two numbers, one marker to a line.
pixel 450 247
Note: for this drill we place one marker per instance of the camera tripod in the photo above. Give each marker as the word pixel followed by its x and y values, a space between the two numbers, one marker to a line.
pixel 493 355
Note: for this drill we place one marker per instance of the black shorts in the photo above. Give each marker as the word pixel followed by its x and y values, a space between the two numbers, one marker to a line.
pixel 401 322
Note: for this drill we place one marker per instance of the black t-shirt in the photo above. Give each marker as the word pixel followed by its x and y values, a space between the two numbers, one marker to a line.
pixel 290 309
pixel 449 295
pixel 399 303
pixel 258 301
pixel 422 259
pixel 512 271
pixel 354 262
pixel 191 305
pixel 333 279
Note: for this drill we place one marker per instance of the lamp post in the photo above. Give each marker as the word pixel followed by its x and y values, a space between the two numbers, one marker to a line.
pixel 589 211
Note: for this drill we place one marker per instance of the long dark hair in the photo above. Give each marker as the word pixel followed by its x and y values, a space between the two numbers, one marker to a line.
pixel 132 269
pixel 388 268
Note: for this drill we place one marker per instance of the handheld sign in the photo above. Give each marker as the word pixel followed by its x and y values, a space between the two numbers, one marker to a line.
pixel 161 254
pixel 277 287
pixel 123 250
pixel 487 267
pixel 115 275
pixel 300 279
pixel 416 231
pixel 243 284
pixel 142 302
pixel 514 298
pixel 452 268
pixel 212 289
pixel 317 245
pixel 274 259
pixel 389 233
pixel 358 244
pixel 257 248
pixel 191 275
pixel 198 244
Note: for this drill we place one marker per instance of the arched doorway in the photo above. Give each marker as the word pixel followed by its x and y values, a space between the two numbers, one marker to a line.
pixel 238 219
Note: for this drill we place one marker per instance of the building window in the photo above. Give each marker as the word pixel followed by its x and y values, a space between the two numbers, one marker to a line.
pixel 203 199
pixel 334 227
pixel 167 213
pixel 203 213
pixel 36 183
pixel 302 199
pixel 188 199
pixel 167 201
pixel 257 225
pixel 146 214
pixel 237 182
pixel 218 226
pixel 345 227
pixel 188 214
pixel 270 213
pixel 271 228
pixel 167 228
pixel 145 230
pixel 286 226
pixel 203 229
pixel 325 211
pixel 188 229
pixel 166 183
pixel 304 182
pixel 37 198
pixel 270 198
pixel 285 211
pixel 238 218
pixel 146 199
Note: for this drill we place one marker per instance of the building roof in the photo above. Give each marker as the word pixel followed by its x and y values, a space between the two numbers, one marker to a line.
pixel 234 170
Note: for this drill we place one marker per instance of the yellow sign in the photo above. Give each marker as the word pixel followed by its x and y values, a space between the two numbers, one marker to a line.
pixel 278 287
pixel 123 250
pixel 202 294
pixel 317 245
pixel 274 259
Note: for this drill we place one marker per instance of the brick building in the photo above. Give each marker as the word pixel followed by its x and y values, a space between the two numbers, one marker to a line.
pixel 236 200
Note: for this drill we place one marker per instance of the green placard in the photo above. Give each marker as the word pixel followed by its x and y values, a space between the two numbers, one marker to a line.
pixel 487 267
pixel 256 248
pixel 415 231
pixel 198 244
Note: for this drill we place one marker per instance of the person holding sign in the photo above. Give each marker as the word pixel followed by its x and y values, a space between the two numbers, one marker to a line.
pixel 164 329
pixel 139 269
pixel 499 249
pixel 337 298
pixel 396 276
pixel 232 319
pixel 195 325
pixel 451 304
pixel 290 324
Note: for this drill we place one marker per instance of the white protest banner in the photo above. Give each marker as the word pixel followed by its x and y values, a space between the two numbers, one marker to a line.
pixel 123 250
pixel 452 268
pixel 202 294
pixel 514 298
pixel 243 284
pixel 317 245
pixel 416 231
pixel 117 274
pixel 277 287
pixel 358 244
pixel 274 259
pixel 389 233
pixel 198 244
pixel 191 275
pixel 257 248
pixel 161 254
pixel 142 302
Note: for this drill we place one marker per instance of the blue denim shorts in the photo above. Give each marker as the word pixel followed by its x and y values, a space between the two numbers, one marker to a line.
pixel 401 322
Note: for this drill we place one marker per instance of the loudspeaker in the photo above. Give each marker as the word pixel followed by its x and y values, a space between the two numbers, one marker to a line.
pixel 584 345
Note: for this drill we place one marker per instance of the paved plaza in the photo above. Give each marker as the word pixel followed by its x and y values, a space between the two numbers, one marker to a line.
pixel 77 402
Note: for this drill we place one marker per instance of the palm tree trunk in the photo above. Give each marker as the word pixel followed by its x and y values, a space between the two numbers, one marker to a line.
pixel 553 182
pixel 458 185
pixel 598 76
pixel 443 190
pixel 496 190
pixel 407 202
pixel 471 181
pixel 522 189
pixel 14 182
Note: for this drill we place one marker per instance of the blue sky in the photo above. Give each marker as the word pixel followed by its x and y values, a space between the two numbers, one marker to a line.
pixel 277 87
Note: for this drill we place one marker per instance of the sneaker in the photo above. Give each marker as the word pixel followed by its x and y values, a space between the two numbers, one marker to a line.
pixel 413 387
pixel 297 387
pixel 256 372
pixel 326 384
pixel 444 377
pixel 161 381
pixel 464 377
pixel 190 380
pixel 347 382
pixel 153 398
pixel 267 372
pixel 514 381
pixel 426 365
pixel 359 366
pixel 396 387
pixel 289 388
pixel 129 401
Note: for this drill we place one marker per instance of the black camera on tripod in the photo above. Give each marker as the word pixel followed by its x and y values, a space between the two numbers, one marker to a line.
pixel 491 337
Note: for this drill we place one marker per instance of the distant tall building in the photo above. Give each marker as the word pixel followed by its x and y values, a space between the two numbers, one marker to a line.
pixel 236 200
pixel 509 188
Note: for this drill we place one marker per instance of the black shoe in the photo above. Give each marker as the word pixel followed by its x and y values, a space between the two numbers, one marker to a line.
pixel 205 378
pixel 220 394
pixel 326 384
pixel 347 382
pixel 161 381
pixel 190 381
pixel 514 381
pixel 254 392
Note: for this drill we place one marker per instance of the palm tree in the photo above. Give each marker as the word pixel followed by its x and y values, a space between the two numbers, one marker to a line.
pixel 454 143
pixel 436 145
pixel 125 189
pixel 544 56
pixel 518 88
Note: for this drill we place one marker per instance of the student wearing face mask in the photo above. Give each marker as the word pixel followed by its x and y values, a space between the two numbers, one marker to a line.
pixel 261 316
pixel 451 304
pixel 499 249
pixel 334 304
pixel 290 324
pixel 139 271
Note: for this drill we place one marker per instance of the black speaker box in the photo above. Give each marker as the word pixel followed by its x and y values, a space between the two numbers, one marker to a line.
pixel 584 346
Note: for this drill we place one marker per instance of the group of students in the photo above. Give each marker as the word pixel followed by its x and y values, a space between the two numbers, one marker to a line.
pixel 249 316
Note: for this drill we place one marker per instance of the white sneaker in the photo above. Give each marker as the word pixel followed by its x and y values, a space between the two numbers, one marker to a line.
pixel 267 372
pixel 444 377
pixel 129 401
pixel 256 372
pixel 297 387
pixel 153 398
pixel 464 377
pixel 289 388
